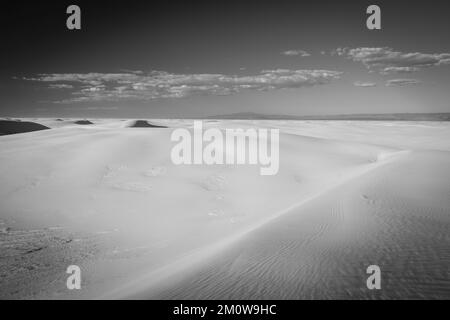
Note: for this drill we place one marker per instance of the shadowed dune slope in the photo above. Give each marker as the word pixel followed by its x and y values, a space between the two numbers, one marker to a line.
pixel 12 127
pixel 144 124
pixel 83 122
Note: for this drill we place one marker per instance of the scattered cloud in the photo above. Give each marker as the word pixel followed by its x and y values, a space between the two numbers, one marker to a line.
pixel 402 82
pixel 396 70
pixel 102 108
pixel 60 86
pixel 88 87
pixel 387 61
pixel 300 53
pixel 364 84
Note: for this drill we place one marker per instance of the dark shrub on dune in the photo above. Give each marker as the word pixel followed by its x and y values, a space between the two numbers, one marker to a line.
pixel 144 124
pixel 83 122
pixel 12 127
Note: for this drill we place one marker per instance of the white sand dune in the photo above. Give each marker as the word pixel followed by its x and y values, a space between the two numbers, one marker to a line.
pixel 321 249
pixel 107 197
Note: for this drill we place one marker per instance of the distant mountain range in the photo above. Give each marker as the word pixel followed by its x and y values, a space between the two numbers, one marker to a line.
pixel 373 117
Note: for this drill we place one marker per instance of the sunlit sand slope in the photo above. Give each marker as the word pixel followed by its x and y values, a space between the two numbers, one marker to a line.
pixel 396 217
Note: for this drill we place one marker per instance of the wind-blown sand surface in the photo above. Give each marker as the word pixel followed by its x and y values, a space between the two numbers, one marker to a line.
pixel 107 197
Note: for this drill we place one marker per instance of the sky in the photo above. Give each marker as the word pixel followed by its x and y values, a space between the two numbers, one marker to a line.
pixel 176 59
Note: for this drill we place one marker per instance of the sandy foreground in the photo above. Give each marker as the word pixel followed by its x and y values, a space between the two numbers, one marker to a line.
pixel 106 197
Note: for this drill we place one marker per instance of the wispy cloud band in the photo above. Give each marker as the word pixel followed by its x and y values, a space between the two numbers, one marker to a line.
pixel 388 61
pixel 88 87
pixel 402 82
pixel 364 84
pixel 296 52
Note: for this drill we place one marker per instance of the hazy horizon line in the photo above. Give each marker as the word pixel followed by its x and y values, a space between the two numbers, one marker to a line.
pixel 406 116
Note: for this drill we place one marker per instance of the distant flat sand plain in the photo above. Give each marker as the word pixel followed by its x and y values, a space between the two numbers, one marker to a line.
pixel 105 196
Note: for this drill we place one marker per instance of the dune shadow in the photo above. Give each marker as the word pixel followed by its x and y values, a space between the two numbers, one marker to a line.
pixel 83 122
pixel 144 124
pixel 13 127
